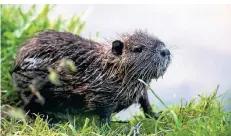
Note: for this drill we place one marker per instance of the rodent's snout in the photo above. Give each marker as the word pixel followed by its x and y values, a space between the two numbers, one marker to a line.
pixel 165 52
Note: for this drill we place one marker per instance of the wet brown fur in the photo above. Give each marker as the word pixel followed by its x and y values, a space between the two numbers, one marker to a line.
pixel 103 80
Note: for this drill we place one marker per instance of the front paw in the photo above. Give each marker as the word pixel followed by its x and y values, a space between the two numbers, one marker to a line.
pixel 154 115
pixel 157 115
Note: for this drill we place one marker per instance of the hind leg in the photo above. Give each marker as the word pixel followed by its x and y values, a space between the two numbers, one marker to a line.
pixel 32 108
pixel 28 90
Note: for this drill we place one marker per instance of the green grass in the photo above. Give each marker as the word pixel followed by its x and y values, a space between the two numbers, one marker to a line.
pixel 202 116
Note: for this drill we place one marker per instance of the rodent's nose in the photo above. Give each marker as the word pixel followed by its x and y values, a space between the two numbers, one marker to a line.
pixel 165 52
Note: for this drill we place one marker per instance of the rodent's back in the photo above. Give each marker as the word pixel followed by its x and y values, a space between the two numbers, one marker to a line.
pixel 49 46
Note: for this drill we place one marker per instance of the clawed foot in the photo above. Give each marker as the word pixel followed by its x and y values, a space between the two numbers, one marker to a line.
pixel 154 115
pixel 157 115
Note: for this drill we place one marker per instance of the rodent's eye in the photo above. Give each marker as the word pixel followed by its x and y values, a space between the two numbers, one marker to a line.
pixel 138 49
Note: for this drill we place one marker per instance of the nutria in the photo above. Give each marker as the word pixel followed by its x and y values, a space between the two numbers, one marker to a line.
pixel 106 76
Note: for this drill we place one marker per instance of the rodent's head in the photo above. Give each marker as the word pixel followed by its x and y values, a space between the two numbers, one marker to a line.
pixel 144 55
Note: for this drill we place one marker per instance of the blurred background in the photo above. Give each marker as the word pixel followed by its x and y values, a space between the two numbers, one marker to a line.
pixel 199 37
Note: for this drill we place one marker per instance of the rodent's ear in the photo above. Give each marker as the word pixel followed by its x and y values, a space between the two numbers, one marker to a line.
pixel 117 47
